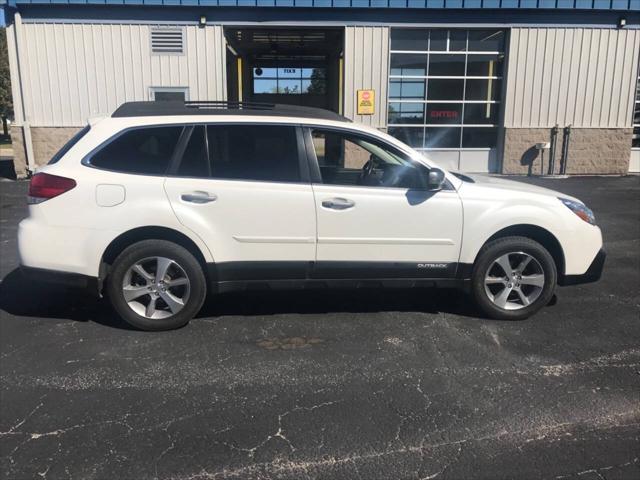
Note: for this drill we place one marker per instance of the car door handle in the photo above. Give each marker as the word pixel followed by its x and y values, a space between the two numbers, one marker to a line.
pixel 198 197
pixel 338 203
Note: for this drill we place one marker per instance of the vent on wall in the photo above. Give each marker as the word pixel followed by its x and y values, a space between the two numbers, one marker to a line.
pixel 167 40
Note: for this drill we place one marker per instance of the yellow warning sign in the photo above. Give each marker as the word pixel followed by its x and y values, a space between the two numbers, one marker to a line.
pixel 366 102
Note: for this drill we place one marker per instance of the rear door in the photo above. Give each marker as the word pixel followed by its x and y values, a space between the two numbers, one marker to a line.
pixel 244 191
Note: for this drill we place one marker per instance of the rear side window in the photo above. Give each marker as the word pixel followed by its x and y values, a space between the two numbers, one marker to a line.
pixel 267 153
pixel 141 150
pixel 69 145
pixel 195 160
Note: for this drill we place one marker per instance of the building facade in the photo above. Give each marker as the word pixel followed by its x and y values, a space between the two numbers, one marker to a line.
pixel 499 86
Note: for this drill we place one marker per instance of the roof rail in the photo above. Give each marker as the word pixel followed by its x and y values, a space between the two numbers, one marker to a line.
pixel 222 107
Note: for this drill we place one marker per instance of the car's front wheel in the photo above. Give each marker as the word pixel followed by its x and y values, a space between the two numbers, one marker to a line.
pixel 513 278
pixel 156 285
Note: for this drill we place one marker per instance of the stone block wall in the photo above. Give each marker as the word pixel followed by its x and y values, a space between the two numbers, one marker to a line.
pixel 592 151
pixel 46 141
pixel 19 153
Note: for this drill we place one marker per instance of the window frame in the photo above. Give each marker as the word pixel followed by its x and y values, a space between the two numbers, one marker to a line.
pixel 277 80
pixel 86 160
pixel 496 78
pixel 303 165
pixel 153 90
pixel 314 164
pixel 636 108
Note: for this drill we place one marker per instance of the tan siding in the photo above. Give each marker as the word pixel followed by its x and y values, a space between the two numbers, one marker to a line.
pixel 366 66
pixel 75 71
pixel 578 76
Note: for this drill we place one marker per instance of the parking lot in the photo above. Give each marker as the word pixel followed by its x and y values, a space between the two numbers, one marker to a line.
pixel 352 384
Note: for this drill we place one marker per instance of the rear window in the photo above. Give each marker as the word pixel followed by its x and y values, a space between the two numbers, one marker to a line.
pixel 67 146
pixel 267 153
pixel 145 150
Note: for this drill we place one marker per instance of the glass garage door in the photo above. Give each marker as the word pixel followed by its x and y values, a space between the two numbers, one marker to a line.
pixel 445 92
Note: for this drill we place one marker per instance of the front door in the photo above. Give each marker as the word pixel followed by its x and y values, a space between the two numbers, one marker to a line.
pixel 240 188
pixel 375 218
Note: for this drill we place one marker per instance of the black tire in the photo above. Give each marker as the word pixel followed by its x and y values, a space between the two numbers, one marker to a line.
pixel 514 246
pixel 183 262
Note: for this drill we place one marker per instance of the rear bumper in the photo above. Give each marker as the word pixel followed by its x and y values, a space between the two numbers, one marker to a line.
pixel 593 273
pixel 74 280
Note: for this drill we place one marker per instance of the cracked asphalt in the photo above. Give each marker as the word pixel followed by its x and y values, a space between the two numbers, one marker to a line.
pixel 328 385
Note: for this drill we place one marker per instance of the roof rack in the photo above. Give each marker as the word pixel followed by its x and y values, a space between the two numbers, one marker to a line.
pixel 221 107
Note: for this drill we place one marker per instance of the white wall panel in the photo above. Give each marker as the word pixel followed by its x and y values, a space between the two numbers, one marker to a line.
pixel 72 71
pixel 366 66
pixel 578 76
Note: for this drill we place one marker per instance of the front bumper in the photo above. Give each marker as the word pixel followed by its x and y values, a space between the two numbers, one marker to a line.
pixel 593 273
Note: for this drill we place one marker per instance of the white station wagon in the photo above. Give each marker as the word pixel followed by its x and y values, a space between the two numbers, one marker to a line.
pixel 163 202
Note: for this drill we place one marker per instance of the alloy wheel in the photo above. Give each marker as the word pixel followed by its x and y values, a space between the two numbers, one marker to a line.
pixel 514 281
pixel 156 287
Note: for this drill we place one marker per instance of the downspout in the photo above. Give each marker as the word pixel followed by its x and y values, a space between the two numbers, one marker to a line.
pixel 565 150
pixel 552 150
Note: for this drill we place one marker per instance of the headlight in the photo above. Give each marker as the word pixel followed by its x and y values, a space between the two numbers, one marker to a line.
pixel 580 210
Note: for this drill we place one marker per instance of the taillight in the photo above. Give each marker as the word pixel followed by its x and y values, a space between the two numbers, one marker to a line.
pixel 44 186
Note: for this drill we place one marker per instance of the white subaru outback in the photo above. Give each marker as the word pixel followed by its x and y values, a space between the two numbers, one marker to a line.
pixel 163 202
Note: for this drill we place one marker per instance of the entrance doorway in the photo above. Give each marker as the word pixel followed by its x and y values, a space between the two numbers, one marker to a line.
pixel 294 67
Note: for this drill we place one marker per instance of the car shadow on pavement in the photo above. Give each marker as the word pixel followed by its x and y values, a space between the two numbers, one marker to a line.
pixel 22 297
pixel 365 300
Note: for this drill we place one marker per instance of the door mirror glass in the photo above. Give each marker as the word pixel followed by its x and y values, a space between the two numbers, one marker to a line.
pixel 436 179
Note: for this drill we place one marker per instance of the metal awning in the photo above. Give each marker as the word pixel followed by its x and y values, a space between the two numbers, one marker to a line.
pixel 565 5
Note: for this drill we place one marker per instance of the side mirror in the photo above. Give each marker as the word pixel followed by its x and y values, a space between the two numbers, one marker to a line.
pixel 436 179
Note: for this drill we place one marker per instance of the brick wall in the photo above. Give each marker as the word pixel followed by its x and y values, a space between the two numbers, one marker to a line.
pixel 591 150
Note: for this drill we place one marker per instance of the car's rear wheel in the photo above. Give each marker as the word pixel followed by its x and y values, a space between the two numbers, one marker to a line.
pixel 513 278
pixel 156 285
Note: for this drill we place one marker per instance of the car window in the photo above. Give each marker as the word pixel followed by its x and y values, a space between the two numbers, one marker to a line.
pixel 145 150
pixel 195 159
pixel 266 153
pixel 350 159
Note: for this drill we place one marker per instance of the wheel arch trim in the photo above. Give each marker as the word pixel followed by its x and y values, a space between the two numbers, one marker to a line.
pixel 535 232
pixel 153 232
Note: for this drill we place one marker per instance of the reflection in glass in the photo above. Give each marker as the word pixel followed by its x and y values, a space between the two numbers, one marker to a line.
pixel 265 86
pixel 289 81
pixel 442 137
pixel 486 40
pixel 479 137
pixel 408 64
pixel 457 40
pixel 445 89
pixel 406 112
pixel 460 88
pixel 480 113
pixel 409 40
pixel 412 136
pixel 438 40
pixel 444 113
pixel 482 89
pixel 446 65
pixel 484 66
pixel 406 89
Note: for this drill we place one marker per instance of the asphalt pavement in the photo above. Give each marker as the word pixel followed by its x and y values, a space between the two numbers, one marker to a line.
pixel 330 385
